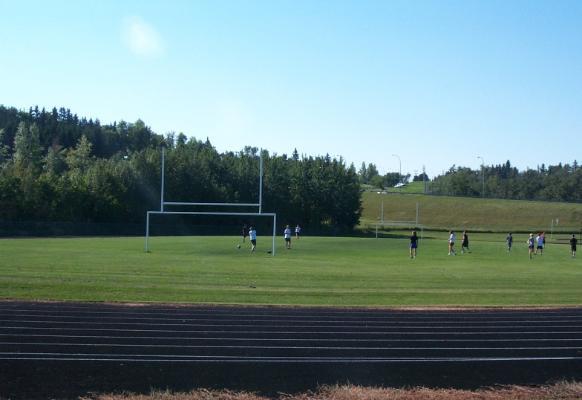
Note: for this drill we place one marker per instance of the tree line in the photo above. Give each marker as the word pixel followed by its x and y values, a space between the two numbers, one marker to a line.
pixel 55 166
pixel 562 182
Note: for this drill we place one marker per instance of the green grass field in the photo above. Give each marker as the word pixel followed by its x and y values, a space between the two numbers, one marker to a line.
pixel 317 271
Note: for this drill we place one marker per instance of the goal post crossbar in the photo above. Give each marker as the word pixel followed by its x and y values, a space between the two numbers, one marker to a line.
pixel 170 203
pixel 181 203
pixel 273 215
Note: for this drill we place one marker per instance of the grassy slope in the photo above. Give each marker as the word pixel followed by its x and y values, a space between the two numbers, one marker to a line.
pixel 318 271
pixel 470 213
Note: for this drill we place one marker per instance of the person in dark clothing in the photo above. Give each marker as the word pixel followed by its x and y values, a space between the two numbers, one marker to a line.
pixel 413 244
pixel 245 232
pixel 465 243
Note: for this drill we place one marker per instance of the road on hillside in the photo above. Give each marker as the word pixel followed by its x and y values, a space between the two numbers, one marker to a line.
pixel 68 349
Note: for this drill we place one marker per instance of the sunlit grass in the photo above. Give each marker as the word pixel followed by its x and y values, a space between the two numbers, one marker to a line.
pixel 316 271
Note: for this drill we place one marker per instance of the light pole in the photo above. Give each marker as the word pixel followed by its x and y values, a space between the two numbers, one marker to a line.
pixel 399 167
pixel 482 176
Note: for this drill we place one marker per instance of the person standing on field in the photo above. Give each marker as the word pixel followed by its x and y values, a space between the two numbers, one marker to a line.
pixel 413 244
pixel 253 237
pixel 465 243
pixel 297 231
pixel 287 236
pixel 452 239
pixel 509 241
pixel 245 232
pixel 540 244
pixel 530 245
pixel 573 242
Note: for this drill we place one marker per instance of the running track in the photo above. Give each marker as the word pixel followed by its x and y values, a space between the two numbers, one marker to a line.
pixel 69 349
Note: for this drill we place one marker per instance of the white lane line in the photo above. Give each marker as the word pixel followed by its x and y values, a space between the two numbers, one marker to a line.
pixel 278 319
pixel 284 347
pixel 202 338
pixel 394 326
pixel 268 332
pixel 158 358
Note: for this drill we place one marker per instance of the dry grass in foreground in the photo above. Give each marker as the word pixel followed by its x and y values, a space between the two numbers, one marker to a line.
pixel 559 391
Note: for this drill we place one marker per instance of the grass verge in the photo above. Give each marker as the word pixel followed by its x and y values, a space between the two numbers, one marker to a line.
pixel 562 390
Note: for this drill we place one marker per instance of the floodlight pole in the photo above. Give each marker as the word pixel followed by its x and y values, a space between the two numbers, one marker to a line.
pixel 162 188
pixel 147 249
pixel 423 179
pixel 260 181
pixel 274 232
pixel 482 176
pixel 382 212
pixel 399 167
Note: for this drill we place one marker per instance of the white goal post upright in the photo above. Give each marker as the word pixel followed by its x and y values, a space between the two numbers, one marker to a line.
pixel 164 203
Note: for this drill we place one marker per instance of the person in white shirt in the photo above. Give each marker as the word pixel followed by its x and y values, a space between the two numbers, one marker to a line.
pixel 253 237
pixel 287 235
pixel 530 245
pixel 297 231
pixel 540 242
pixel 452 239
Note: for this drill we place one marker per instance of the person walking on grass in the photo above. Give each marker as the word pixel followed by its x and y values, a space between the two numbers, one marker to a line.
pixel 253 238
pixel 297 231
pixel 452 239
pixel 573 242
pixel 287 236
pixel 530 245
pixel 509 241
pixel 465 243
pixel 413 244
pixel 540 243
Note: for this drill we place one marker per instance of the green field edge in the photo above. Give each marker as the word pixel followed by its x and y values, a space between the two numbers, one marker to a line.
pixel 440 307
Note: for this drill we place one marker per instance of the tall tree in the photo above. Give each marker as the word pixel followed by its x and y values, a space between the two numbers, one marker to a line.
pixel 27 149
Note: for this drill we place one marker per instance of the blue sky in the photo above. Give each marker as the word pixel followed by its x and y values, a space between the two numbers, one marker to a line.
pixel 435 82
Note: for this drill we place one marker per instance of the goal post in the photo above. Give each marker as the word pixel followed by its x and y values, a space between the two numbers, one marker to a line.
pixel 231 214
pixel 407 224
pixel 164 203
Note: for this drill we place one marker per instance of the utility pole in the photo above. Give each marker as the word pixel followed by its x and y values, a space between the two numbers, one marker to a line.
pixel 399 167
pixel 482 176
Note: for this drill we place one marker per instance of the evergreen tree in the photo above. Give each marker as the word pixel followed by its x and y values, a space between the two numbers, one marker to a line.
pixel 27 149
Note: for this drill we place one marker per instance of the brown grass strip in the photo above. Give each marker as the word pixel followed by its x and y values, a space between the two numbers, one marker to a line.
pixel 558 391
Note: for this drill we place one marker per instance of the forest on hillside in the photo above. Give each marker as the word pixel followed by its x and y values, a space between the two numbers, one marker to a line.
pixel 55 166
pixel 562 182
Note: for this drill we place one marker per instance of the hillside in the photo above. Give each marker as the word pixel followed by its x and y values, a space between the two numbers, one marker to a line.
pixel 443 212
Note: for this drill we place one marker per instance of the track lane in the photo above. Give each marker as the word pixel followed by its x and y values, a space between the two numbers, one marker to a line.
pixel 121 347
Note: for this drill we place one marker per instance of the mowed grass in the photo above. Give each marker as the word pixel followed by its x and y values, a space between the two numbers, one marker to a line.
pixel 458 213
pixel 316 272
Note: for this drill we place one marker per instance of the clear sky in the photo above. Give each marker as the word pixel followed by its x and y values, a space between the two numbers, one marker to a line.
pixel 435 82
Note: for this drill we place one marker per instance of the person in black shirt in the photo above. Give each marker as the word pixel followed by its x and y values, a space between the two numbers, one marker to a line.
pixel 509 241
pixel 413 244
pixel 573 242
pixel 245 232
pixel 465 243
